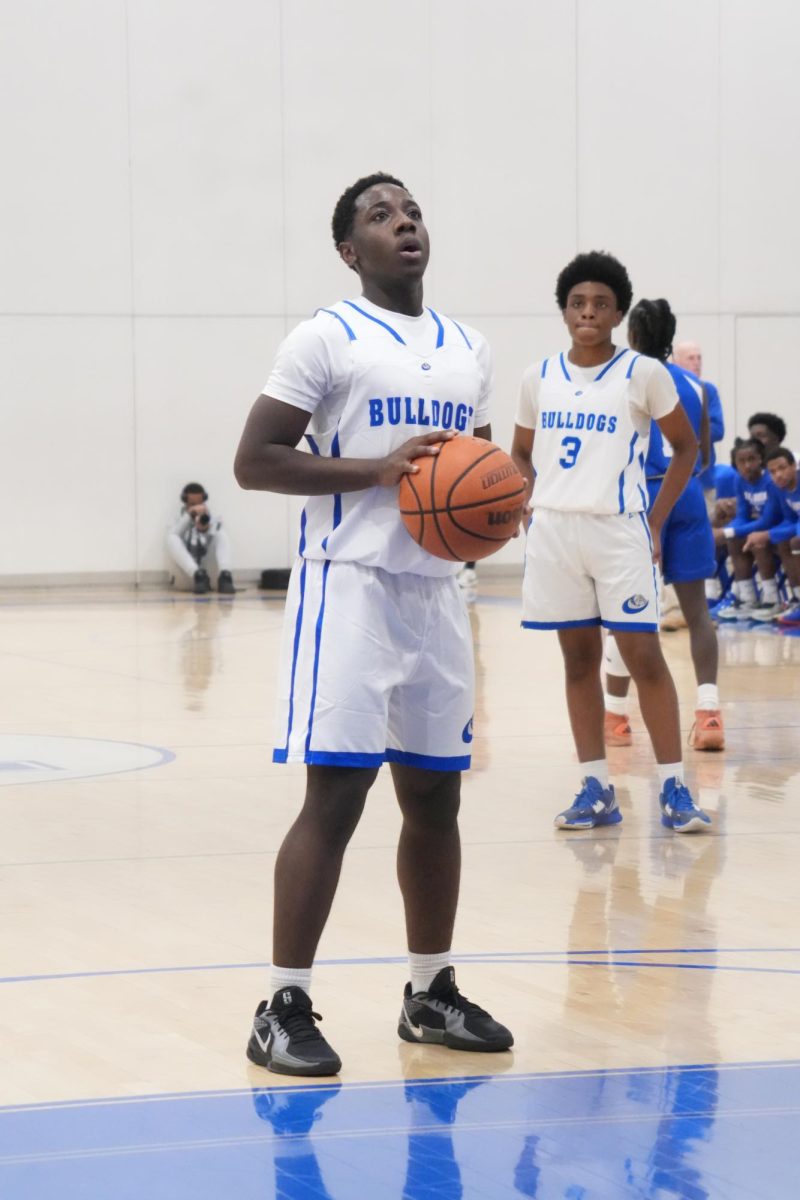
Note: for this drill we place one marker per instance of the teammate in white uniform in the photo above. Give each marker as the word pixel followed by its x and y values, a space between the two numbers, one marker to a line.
pixel 377 661
pixel 582 430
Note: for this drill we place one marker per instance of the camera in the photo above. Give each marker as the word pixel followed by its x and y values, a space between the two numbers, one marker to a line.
pixel 203 521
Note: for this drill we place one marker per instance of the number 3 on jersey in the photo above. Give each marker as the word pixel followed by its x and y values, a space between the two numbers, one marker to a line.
pixel 571 445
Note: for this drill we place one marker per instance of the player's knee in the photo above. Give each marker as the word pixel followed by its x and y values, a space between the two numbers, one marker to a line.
pixel 434 804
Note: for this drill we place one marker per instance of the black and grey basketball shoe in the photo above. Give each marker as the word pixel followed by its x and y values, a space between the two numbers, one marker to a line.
pixel 285 1038
pixel 225 584
pixel 201 583
pixel 445 1017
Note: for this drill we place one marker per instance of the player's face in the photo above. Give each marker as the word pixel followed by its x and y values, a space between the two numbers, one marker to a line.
pixel 749 464
pixel 764 434
pixel 389 242
pixel 591 314
pixel 784 473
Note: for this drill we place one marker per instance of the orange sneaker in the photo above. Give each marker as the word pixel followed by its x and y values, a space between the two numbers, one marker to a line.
pixel 617 730
pixel 707 733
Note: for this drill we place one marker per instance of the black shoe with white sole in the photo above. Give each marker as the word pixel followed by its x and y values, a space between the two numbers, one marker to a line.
pixel 446 1018
pixel 285 1038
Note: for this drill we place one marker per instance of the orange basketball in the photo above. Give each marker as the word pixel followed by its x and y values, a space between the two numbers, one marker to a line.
pixel 465 502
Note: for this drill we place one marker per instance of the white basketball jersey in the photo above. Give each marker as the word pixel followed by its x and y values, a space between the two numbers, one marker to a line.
pixel 592 428
pixel 373 379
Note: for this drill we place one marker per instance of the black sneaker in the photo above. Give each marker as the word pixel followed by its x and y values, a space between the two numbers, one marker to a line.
pixel 202 583
pixel 443 1016
pixel 225 584
pixel 285 1038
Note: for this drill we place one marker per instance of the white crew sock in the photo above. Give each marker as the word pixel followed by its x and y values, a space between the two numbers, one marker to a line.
pixel 595 770
pixel 284 977
pixel 745 590
pixel 617 705
pixel 708 697
pixel 669 771
pixel 424 969
pixel 769 591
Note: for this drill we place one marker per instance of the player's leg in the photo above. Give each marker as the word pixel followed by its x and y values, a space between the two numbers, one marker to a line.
pixel 767 605
pixel 595 803
pixel 707 731
pixel 744 598
pixel 617 727
pixel 285 1036
pixel 658 702
pixel 221 547
pixel 429 870
pixel 789 553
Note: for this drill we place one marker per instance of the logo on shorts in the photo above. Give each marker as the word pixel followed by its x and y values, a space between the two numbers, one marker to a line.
pixel 426 366
pixel 635 604
pixel 466 736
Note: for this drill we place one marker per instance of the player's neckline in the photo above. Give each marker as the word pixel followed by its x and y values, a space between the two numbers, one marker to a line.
pixel 604 369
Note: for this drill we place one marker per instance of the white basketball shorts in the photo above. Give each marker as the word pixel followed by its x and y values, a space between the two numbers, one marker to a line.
pixel 374 668
pixel 589 569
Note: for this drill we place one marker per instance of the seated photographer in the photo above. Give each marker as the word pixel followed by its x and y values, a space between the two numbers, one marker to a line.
pixel 198 537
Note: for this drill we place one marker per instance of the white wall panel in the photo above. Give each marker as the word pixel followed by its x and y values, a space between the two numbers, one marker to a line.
pixel 503 153
pixel 647 179
pixel 357 100
pixel 67 451
pixel 764 348
pixel 206 156
pixel 196 380
pixel 759 115
pixel 64 211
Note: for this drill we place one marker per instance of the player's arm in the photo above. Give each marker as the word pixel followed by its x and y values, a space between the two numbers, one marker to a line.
pixel 484 432
pixel 522 454
pixel 677 429
pixel 267 459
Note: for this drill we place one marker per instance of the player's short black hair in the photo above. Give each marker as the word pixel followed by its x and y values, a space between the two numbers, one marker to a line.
pixel 652 325
pixel 344 212
pixel 747 444
pixel 193 488
pixel 781 452
pixel 595 267
pixel 774 423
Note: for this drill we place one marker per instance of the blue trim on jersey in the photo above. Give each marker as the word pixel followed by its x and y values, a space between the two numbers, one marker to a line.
pixel 280 756
pixel 609 365
pixel 429 762
pixel 440 327
pixel 337 498
pixel 632 626
pixel 645 501
pixel 302 545
pixel 312 444
pixel 645 522
pixel 564 367
pixel 464 336
pixel 622 475
pixel 634 360
pixel 296 647
pixel 317 642
pixel 331 313
pixel 544 367
pixel 377 321
pixel 559 624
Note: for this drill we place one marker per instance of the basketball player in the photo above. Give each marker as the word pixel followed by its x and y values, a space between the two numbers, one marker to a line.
pixel 757 508
pixel 582 426
pixel 784 538
pixel 377 661
pixel 687 542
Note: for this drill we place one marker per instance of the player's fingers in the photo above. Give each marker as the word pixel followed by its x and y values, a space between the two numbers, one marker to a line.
pixel 438 435
pixel 423 447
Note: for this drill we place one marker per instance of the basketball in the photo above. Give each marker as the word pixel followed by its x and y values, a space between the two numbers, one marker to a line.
pixel 465 502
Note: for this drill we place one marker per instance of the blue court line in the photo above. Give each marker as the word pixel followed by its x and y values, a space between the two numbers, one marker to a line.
pixel 602 958
pixel 420 1082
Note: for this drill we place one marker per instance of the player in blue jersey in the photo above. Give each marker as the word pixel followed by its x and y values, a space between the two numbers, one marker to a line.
pixel 687 542
pixel 757 508
pixel 377 661
pixel 784 537
pixel 582 429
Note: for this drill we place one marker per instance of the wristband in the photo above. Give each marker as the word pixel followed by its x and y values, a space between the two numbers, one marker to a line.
pixel 729 531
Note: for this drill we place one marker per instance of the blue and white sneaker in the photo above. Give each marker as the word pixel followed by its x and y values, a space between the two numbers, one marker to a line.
pixel 594 805
pixel 679 811
pixel 734 610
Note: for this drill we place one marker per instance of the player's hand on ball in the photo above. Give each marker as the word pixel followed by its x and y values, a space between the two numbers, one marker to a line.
pixel 401 461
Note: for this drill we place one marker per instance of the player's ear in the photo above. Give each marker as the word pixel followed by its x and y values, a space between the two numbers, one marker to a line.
pixel 348 255
pixel 620 317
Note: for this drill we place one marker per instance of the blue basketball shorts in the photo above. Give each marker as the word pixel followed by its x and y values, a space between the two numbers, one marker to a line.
pixel 687 541
pixel 589 569
pixel 374 668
